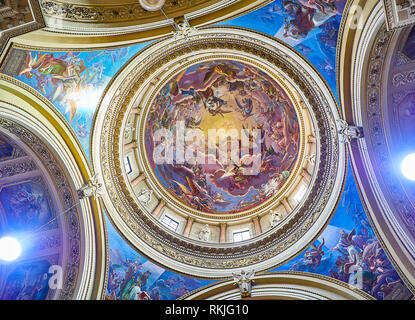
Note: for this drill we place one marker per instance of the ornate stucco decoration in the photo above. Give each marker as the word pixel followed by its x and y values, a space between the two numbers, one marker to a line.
pixel 275 218
pixel 378 75
pixel 130 96
pixel 91 189
pixel 399 13
pixel 110 13
pixel 18 17
pixel 283 286
pixel 127 16
pixel 349 132
pixel 244 281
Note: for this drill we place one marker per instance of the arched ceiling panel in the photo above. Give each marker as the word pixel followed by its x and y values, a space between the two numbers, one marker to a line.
pixel 375 87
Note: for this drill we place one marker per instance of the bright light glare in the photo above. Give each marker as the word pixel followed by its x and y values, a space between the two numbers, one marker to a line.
pixel 10 249
pixel 408 167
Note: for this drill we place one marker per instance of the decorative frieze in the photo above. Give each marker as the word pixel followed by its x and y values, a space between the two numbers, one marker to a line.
pixel 12 168
pixel 399 13
pixel 112 13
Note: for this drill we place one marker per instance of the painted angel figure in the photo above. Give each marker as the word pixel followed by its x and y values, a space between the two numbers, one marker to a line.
pixel 314 255
pixel 244 281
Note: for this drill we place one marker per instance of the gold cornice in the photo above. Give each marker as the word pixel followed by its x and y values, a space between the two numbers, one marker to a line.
pixel 132 216
pixel 54 39
pixel 348 40
pixel 113 12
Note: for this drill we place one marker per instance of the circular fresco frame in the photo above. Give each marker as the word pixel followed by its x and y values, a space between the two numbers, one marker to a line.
pixel 218 260
pixel 30 119
pixel 161 191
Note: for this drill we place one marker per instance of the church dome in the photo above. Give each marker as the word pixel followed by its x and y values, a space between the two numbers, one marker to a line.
pixel 219 152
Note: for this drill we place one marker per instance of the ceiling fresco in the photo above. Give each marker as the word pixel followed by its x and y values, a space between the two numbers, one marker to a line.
pixel 27 205
pixel 205 96
pixel 311 27
pixel 133 277
pixel 28 281
pixel 209 99
pixel 348 250
pixel 6 149
pixel 72 81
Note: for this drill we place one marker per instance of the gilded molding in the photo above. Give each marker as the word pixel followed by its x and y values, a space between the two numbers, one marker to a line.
pixel 98 21
pixel 284 284
pixel 230 255
pixel 66 197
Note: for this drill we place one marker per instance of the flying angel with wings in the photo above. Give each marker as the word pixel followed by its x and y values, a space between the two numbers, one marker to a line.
pixel 194 195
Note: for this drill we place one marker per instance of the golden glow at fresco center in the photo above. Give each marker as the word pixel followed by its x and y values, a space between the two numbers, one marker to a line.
pixel 217 111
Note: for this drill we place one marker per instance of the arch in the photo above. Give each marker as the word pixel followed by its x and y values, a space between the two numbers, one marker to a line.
pixel 29 118
pixel 368 56
pixel 283 286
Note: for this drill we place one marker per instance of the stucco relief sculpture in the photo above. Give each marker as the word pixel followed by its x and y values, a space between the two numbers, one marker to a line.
pixel 274 218
pixel 92 189
pixel 204 234
pixel 145 197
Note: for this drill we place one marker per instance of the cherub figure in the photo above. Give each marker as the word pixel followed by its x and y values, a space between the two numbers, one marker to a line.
pixel 244 281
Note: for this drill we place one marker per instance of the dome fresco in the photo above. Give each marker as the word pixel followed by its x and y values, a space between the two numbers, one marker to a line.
pixel 240 132
pixel 37 233
pixel 219 139
pixel 76 92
